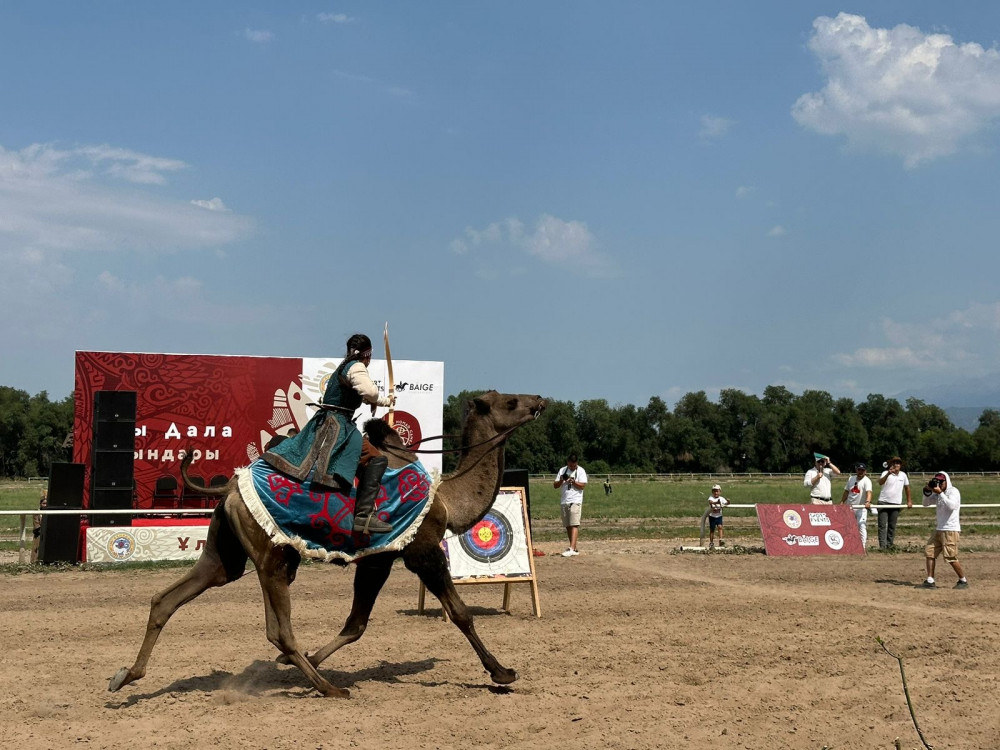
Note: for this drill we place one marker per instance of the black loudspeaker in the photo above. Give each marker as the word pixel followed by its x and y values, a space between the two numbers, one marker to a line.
pixel 114 436
pixel 60 539
pixel 105 498
pixel 519 478
pixel 113 468
pixel 114 406
pixel 66 485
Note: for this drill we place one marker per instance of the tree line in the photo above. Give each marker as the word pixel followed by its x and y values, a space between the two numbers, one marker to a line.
pixel 33 430
pixel 775 432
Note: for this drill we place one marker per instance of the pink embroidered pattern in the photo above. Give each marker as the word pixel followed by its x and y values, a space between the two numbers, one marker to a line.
pixel 413 487
pixel 283 487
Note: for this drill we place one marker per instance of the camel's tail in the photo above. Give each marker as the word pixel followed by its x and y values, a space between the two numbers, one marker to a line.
pixel 212 491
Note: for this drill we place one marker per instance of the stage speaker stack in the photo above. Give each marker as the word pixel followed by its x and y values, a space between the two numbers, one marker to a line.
pixel 518 478
pixel 60 535
pixel 112 472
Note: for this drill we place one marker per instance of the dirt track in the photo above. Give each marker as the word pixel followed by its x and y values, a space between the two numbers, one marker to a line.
pixel 637 648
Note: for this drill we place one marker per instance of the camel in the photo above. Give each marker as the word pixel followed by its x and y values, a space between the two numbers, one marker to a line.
pixel 461 500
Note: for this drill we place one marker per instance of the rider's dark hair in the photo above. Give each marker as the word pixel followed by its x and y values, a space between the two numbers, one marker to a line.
pixel 357 345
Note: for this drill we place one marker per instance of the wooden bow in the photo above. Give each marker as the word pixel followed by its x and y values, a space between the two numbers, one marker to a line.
pixel 392 380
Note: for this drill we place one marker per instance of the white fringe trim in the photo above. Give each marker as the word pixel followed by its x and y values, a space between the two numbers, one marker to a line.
pixel 279 538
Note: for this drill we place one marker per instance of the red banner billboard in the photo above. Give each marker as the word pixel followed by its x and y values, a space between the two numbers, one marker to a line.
pixel 226 408
pixel 809 530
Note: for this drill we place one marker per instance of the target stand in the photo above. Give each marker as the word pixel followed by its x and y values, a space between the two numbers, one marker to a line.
pixel 496 550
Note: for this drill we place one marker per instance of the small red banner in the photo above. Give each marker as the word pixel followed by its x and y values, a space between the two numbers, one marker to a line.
pixel 809 530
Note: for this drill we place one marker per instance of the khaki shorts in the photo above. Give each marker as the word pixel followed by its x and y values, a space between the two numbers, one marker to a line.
pixel 942 543
pixel 570 514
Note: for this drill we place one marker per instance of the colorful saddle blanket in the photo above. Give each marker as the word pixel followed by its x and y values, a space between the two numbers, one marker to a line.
pixel 318 523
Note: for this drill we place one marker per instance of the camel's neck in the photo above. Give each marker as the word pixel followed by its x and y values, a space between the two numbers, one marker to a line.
pixel 470 490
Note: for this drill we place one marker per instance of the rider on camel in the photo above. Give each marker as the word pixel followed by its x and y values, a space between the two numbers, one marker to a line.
pixel 330 446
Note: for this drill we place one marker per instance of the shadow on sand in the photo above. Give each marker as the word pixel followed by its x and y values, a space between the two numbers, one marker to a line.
pixel 262 677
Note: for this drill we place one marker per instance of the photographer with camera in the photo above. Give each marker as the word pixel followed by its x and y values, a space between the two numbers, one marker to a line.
pixel 818 479
pixel 944 541
pixel 571 479
pixel 893 484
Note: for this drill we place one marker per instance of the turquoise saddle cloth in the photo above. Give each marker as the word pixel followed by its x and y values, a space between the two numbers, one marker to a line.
pixel 318 522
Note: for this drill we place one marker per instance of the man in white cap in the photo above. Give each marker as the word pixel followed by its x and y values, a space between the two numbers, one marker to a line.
pixel 859 493
pixel 716 502
pixel 817 479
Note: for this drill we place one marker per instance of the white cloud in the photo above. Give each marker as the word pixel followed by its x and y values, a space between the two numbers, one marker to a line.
pixel 554 241
pixel 713 127
pixel 258 36
pixel 337 18
pixel 885 357
pixel 744 190
pixel 901 91
pixel 61 208
pixel 968 336
pixel 777 231
pixel 49 202
pixel 213 204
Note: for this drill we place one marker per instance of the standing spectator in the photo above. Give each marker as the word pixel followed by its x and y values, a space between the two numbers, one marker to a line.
pixel 716 502
pixel 36 531
pixel 893 483
pixel 859 492
pixel 608 489
pixel 818 480
pixel 944 541
pixel 572 479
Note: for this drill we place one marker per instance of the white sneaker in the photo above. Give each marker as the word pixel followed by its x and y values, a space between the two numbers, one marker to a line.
pixel 570 553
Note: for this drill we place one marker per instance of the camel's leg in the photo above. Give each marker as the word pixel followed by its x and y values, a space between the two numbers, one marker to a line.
pixel 370 576
pixel 223 560
pixel 276 572
pixel 425 557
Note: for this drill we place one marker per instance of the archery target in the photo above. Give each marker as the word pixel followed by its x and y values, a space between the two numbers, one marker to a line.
pixel 488 540
pixel 496 546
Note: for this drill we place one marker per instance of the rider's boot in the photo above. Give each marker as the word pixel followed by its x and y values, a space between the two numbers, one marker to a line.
pixel 369 481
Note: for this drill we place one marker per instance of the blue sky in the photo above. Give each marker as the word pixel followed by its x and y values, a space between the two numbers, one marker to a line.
pixel 579 199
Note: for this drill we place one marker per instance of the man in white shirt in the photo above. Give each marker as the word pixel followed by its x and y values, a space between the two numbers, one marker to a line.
pixel 571 479
pixel 818 480
pixel 894 484
pixel 944 541
pixel 859 492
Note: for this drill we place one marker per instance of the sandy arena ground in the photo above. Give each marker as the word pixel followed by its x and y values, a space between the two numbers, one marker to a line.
pixel 637 648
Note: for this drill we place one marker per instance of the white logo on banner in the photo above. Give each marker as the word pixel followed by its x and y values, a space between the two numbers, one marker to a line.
pixel 819 519
pixel 121 546
pixel 834 540
pixel 792 519
pixel 802 541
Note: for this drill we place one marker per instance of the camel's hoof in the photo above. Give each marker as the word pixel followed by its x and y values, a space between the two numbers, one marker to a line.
pixel 336 692
pixel 504 676
pixel 121 678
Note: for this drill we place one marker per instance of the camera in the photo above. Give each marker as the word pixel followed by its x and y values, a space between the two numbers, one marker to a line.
pixel 567 476
pixel 935 483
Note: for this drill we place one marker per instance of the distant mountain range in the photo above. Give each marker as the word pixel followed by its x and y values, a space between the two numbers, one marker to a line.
pixel 962 400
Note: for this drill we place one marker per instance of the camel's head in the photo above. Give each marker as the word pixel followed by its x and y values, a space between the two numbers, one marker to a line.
pixel 508 410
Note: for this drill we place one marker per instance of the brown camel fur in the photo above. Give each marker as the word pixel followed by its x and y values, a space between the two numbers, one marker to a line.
pixel 462 499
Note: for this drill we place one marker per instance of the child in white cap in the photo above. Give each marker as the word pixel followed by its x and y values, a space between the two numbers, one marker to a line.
pixel 716 502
